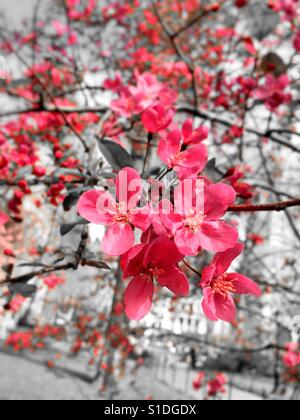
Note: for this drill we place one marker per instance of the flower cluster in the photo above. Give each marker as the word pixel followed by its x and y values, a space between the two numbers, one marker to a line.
pixel 182 224
pixel 291 361
pixel 215 385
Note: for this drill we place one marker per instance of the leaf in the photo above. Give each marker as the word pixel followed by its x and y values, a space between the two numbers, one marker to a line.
pixel 8 268
pixel 70 200
pixel 97 264
pixel 32 264
pixel 68 227
pixel 273 63
pixel 212 171
pixel 115 154
pixel 26 290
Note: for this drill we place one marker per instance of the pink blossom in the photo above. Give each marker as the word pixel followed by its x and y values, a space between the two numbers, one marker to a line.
pixel 186 162
pixel 157 118
pixel 148 92
pixel 53 281
pixel 198 381
pixel 120 216
pixel 195 222
pixel 113 84
pixel 60 28
pixel 147 263
pixel 216 385
pixel 291 357
pixel 3 218
pixel 193 136
pixel 16 303
pixel 218 285
pixel 273 92
pixel 288 7
pixel 297 41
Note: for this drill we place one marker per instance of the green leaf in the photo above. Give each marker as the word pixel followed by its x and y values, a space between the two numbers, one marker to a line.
pixel 115 155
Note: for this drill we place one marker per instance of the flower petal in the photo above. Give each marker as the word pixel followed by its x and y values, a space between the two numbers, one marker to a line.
pixel 163 253
pixel 187 242
pixel 170 147
pixel 142 217
pixel 218 197
pixel 129 187
pixel 176 281
pixel 88 208
pixel 138 298
pixel 208 304
pixel 118 239
pixel 208 311
pixel 223 260
pixel 218 236
pixel 225 308
pixel 243 285
pixel 132 261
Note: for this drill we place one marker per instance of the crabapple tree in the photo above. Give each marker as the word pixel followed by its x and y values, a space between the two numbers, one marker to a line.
pixel 169 131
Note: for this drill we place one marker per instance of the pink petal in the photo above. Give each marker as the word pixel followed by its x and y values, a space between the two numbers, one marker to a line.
pixel 142 218
pixel 225 308
pixel 208 304
pixel 170 147
pixel 188 195
pixel 244 286
pixel 187 129
pixel 218 236
pixel 129 187
pixel 208 275
pixel 218 197
pixel 138 298
pixel 163 253
pixel 118 239
pixel 223 260
pixel 187 242
pixel 132 261
pixel 195 157
pixel 176 281
pixel 208 311
pixel 87 207
pixel 171 220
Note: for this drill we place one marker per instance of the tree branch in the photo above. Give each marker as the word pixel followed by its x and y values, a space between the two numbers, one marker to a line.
pixel 265 207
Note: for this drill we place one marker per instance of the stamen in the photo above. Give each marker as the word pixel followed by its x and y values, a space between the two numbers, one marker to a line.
pixel 223 286
pixel 194 220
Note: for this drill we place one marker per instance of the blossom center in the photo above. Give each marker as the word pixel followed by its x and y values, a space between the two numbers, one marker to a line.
pixel 122 213
pixel 154 272
pixel 223 286
pixel 194 220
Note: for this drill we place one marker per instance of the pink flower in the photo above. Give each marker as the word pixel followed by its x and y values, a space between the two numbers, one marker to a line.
pixel 193 136
pixel 16 303
pixel 148 92
pixel 218 285
pixel 186 162
pixel 120 216
pixel 147 263
pixel 198 381
pixel 53 281
pixel 196 223
pixel 3 218
pixel 273 92
pixel 291 357
pixel 216 385
pixel 157 118
pixel 297 41
pixel 60 28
